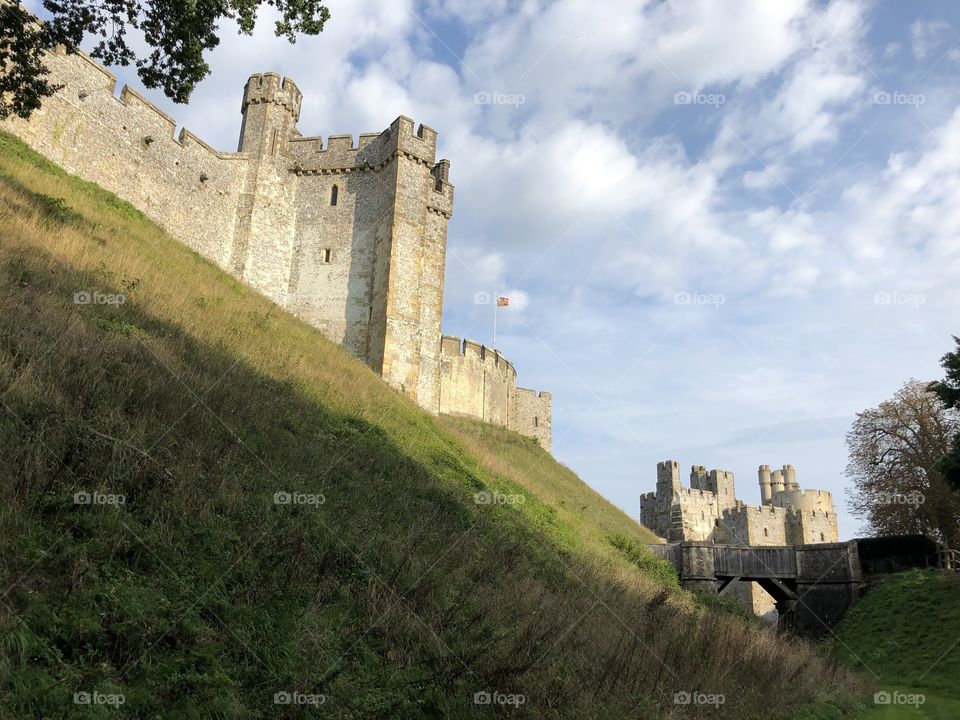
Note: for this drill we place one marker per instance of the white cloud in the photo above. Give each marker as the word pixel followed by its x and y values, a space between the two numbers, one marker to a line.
pixel 597 199
pixel 927 36
pixel 912 205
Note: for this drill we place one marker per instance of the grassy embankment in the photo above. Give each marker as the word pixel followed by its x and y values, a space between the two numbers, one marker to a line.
pixel 906 634
pixel 398 596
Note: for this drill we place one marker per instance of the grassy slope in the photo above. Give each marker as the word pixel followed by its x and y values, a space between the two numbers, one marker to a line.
pixel 399 596
pixel 906 632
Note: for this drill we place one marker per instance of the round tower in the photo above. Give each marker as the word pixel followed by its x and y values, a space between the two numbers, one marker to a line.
pixel 776 482
pixel 271 108
pixel 763 475
pixel 790 478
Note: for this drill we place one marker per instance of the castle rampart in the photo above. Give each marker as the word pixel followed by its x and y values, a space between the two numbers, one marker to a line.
pixel 351 237
pixel 129 146
pixel 479 382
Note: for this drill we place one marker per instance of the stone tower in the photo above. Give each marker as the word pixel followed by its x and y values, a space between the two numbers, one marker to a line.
pixel 348 235
pixel 351 238
pixel 265 226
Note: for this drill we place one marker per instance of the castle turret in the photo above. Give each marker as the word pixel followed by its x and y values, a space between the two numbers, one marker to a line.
pixel 263 246
pixel 699 478
pixel 776 482
pixel 765 490
pixel 790 478
pixel 271 108
pixel 668 477
pixel 721 482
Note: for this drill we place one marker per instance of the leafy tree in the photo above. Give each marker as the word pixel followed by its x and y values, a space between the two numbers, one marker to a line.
pixel 177 33
pixel 948 390
pixel 894 455
pixel 23 81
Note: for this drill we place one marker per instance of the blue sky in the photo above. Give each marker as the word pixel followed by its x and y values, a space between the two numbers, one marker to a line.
pixel 726 225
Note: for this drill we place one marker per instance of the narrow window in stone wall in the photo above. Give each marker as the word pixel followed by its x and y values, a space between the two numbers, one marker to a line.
pixel 333 195
pixel 536 421
pixel 327 254
pixel 765 532
pixel 821 537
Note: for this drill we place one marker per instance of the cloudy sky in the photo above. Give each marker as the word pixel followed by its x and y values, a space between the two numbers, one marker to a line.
pixel 726 225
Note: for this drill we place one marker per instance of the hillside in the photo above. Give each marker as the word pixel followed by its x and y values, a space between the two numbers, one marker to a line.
pixel 207 504
pixel 906 634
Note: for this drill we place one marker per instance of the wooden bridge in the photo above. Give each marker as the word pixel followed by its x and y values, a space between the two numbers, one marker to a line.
pixel 813 585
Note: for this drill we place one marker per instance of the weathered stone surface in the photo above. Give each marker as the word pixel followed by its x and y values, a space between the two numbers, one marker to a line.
pixel 480 382
pixel 709 511
pixel 349 237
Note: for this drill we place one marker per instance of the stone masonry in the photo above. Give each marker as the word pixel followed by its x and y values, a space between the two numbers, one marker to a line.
pixel 708 510
pixel 349 237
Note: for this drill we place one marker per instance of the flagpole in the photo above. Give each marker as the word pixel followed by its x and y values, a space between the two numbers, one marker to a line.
pixel 495 303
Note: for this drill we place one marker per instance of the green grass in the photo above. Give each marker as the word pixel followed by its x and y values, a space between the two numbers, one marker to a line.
pixel 393 593
pixel 906 634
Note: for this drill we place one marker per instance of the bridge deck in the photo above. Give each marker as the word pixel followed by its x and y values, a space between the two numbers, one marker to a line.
pixel 755 562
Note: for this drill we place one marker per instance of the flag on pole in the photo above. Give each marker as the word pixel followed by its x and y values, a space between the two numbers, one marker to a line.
pixel 503 301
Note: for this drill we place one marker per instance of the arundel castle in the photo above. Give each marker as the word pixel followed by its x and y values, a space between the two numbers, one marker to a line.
pixel 350 237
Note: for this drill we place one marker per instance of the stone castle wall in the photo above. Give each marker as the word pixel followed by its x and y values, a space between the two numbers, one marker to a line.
pixel 350 237
pixel 479 382
pixel 756 525
pixel 709 511
pixel 811 527
pixel 804 499
pixel 533 415
pixel 128 146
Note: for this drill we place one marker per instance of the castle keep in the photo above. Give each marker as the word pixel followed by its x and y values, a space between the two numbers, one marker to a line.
pixel 709 510
pixel 350 237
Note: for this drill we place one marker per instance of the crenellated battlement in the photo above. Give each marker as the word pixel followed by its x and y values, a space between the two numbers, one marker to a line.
pixel 452 347
pixel 93 86
pixel 540 395
pixel 348 233
pixel 271 88
pixel 373 151
pixel 478 381
pixel 743 509
pixel 709 509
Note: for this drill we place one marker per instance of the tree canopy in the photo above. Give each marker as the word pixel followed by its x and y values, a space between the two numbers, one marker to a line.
pixel 948 390
pixel 894 454
pixel 177 35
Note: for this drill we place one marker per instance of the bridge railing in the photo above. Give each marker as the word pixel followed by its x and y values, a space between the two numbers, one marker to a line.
pixel 949 559
pixel 755 562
